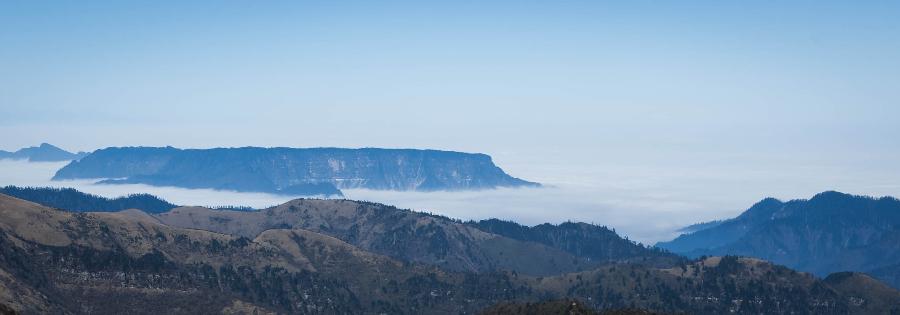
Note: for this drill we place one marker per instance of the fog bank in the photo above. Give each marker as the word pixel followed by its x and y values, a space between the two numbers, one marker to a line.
pixel 646 203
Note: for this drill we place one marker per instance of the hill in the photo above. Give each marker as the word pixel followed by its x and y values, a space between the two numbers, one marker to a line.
pixel 831 232
pixel 44 153
pixel 594 242
pixel 415 236
pixel 314 171
pixel 72 200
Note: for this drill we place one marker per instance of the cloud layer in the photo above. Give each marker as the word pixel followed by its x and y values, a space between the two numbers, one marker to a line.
pixel 646 204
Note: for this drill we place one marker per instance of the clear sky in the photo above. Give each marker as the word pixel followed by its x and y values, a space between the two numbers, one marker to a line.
pixel 456 74
pixel 801 96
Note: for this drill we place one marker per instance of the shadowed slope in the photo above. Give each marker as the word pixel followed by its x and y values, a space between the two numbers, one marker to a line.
pixel 832 232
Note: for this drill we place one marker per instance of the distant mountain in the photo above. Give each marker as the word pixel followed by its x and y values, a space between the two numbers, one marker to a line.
pixel 700 226
pixel 829 233
pixel 72 200
pixel 315 171
pixel 43 153
pixel 726 232
pixel 130 262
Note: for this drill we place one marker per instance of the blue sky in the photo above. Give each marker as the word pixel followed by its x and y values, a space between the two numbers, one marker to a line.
pixel 530 68
pixel 805 90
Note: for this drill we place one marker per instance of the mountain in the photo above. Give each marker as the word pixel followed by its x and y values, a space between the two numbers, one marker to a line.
pixel 596 243
pixel 314 171
pixel 700 226
pixel 43 153
pixel 830 232
pixel 72 200
pixel 53 261
pixel 441 241
pixel 727 231
pixel 128 262
pixel 424 238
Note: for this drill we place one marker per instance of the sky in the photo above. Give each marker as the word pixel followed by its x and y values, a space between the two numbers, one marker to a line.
pixel 634 110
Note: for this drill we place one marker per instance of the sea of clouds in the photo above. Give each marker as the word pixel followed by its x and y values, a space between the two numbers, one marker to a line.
pixel 641 203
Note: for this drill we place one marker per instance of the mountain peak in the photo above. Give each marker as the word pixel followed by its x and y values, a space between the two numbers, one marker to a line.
pixel 762 210
pixel 831 195
pixel 768 201
pixel 44 152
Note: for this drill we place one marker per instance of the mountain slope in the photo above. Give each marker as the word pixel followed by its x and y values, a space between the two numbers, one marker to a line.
pixel 72 200
pixel 401 234
pixel 719 285
pixel 129 262
pixel 726 232
pixel 552 307
pixel 829 233
pixel 43 153
pixel 582 243
pixel 314 171
pixel 596 243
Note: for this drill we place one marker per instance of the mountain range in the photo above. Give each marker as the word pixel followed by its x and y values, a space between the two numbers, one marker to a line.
pixel 342 256
pixel 313 171
pixel 43 153
pixel 831 232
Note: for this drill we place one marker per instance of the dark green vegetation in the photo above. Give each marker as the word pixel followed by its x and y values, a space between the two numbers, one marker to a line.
pixel 43 153
pixel 72 200
pixel 832 232
pixel 314 171
pixel 556 307
pixel 597 243
pixel 553 307
pixel 339 256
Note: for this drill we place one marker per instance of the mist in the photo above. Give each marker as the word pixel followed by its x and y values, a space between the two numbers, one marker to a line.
pixel 646 203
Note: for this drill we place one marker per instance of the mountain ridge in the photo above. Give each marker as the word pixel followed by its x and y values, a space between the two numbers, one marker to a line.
pixel 73 200
pixel 128 262
pixel 827 233
pixel 44 152
pixel 406 235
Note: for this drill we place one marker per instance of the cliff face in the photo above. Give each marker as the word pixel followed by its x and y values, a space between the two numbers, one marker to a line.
pixel 295 171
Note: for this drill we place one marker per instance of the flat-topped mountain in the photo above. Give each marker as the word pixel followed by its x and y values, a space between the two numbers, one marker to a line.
pixel 313 171
pixel 44 153
pixel 828 233
pixel 52 261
